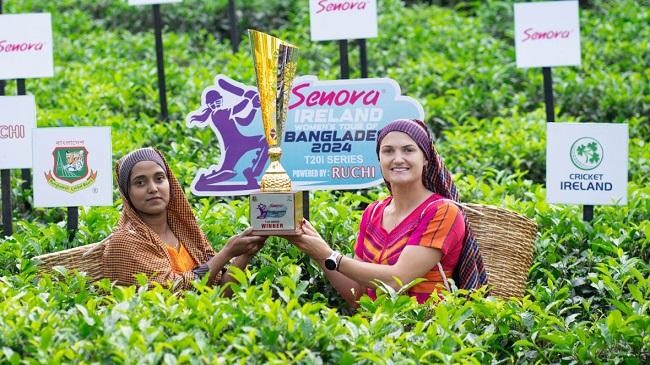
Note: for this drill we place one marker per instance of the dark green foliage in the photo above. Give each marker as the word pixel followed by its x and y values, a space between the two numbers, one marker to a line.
pixel 588 293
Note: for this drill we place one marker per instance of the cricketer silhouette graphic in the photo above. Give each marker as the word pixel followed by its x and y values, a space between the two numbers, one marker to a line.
pixel 227 122
pixel 263 211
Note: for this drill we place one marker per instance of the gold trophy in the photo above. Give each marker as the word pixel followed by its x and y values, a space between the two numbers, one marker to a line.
pixel 276 209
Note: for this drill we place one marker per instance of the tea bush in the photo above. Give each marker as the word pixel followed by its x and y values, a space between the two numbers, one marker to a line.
pixel 588 292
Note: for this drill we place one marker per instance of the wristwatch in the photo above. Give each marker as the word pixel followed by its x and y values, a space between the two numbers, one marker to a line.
pixel 332 262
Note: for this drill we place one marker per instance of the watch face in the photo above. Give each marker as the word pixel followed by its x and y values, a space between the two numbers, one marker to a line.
pixel 330 264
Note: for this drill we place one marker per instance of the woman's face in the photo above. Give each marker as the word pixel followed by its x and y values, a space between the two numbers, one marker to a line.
pixel 149 188
pixel 401 160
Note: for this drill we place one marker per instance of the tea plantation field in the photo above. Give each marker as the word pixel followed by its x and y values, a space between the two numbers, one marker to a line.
pixel 588 292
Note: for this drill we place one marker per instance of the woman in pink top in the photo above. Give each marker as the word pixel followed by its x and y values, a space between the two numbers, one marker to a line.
pixel 417 232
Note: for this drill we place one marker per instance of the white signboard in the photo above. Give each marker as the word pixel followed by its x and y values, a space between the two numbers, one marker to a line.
pixel 151 2
pixel 72 167
pixel 17 119
pixel 547 34
pixel 26 46
pixel 586 163
pixel 342 19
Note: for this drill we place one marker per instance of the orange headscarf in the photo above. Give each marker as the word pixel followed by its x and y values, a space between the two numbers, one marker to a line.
pixel 135 248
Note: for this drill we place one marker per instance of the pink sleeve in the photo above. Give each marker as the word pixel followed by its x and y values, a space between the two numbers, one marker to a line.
pixel 441 227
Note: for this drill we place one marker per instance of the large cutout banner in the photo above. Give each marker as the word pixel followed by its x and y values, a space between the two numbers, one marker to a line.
pixel 329 140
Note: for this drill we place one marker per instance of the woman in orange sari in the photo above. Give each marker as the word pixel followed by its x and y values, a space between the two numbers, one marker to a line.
pixel 157 233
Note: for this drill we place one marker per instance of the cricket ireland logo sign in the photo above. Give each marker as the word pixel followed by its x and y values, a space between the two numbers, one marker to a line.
pixel 70 172
pixel 586 163
pixel 586 153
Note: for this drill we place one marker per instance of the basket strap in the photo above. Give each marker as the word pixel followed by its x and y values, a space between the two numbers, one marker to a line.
pixel 445 281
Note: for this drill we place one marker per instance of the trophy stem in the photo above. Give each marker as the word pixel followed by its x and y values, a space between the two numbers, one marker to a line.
pixel 275 177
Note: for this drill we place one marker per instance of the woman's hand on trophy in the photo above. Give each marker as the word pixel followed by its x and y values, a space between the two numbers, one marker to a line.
pixel 255 248
pixel 310 242
pixel 244 244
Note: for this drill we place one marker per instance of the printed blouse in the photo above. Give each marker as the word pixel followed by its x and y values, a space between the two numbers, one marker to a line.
pixel 436 223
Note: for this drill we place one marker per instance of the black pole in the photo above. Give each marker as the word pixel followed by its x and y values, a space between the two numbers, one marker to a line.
pixel 73 222
pixel 25 174
pixel 232 20
pixel 162 90
pixel 548 94
pixel 363 57
pixel 343 59
pixel 5 177
pixel 587 213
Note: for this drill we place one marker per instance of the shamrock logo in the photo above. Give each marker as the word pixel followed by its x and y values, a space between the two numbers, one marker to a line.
pixel 586 153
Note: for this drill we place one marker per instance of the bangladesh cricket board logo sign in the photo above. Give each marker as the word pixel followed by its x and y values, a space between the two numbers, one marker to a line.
pixel 586 153
pixel 71 172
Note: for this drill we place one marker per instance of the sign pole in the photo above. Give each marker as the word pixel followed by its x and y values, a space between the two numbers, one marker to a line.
pixel 25 173
pixel 548 95
pixel 232 20
pixel 7 229
pixel 587 213
pixel 363 57
pixel 162 90
pixel 343 59
pixel 73 222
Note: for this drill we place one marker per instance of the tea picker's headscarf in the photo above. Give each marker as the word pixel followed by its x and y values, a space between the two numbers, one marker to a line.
pixel 135 248
pixel 469 273
pixel 126 164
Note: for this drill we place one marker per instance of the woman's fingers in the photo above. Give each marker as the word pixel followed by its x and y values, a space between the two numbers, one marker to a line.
pixel 308 228
pixel 246 232
pixel 308 225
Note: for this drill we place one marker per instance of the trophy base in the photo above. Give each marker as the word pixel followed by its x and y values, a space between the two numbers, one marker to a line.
pixel 276 213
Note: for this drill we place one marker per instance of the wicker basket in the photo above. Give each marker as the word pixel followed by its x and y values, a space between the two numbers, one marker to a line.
pixel 86 258
pixel 506 240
